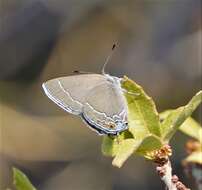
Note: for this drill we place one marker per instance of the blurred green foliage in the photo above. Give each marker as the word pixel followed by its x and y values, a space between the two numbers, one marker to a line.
pixel 21 181
pixel 193 129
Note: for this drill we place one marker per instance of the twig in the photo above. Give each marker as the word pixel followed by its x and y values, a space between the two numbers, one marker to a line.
pixel 171 181
pixel 164 169
pixel 165 173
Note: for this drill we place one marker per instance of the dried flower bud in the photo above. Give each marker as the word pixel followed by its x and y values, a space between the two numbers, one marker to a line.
pixel 161 155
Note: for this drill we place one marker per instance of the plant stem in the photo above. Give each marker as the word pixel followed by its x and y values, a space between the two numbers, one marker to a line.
pixel 167 178
pixel 165 173
pixel 171 182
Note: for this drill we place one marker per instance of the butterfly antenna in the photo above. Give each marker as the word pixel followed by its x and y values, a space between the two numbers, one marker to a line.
pixel 108 58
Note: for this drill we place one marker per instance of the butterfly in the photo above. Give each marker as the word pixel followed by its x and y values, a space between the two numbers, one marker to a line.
pixel 97 98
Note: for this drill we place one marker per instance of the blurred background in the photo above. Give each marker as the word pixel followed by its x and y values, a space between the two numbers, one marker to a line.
pixel 159 46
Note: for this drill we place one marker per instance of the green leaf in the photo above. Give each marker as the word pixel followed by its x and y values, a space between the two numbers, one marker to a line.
pixel 110 144
pixel 177 117
pixel 148 145
pixel 21 181
pixel 144 127
pixel 125 149
pixel 195 157
pixel 142 114
pixel 190 126
pixel 144 124
pixel 165 114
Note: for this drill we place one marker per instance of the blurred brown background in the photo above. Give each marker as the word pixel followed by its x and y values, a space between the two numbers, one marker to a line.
pixel 159 46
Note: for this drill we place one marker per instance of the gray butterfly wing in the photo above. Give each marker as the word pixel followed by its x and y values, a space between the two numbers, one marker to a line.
pixel 105 109
pixel 70 92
